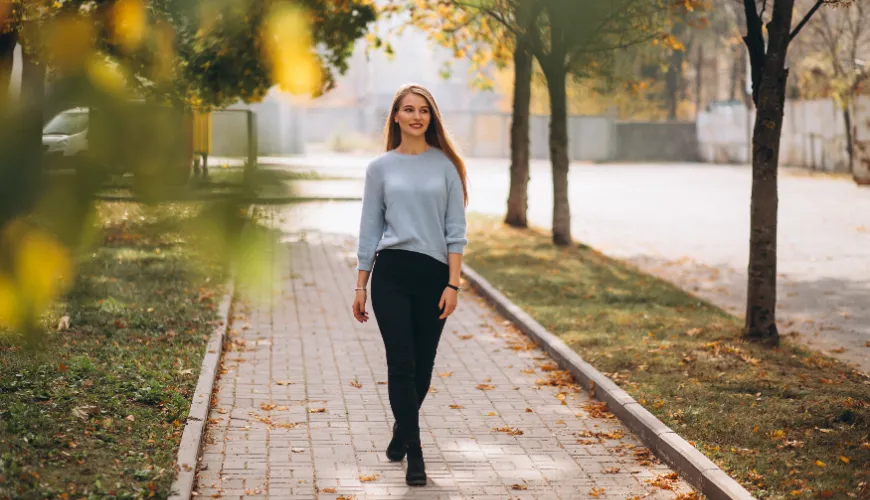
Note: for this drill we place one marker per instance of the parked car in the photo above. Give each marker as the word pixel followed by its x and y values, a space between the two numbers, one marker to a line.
pixel 66 135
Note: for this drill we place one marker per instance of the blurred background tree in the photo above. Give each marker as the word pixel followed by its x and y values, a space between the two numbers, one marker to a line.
pixel 140 67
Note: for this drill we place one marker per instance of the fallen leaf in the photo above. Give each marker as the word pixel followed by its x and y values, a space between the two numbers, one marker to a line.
pixel 297 450
pixel 284 382
pixel 843 459
pixel 368 479
pixel 327 490
pixel 492 414
pixel 528 371
pixel 267 407
pixel 485 387
pixel 519 487
pixel 130 418
pixel 611 470
pixel 456 407
pixel 694 331
pixel 188 371
pixel 511 431
pixel 356 383
pixel 820 463
pixel 529 410
pixel 83 412
pixel 465 337
pixel 596 492
pixel 63 324
pixel 445 374
pixel 317 410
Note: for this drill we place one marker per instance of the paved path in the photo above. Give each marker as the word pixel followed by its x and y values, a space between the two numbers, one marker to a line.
pixel 689 224
pixel 302 408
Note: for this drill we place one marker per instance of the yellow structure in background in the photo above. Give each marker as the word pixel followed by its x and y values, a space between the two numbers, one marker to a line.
pixel 202 125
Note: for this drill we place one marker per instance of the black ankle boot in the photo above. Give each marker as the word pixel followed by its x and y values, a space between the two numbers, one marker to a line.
pixel 396 448
pixel 416 475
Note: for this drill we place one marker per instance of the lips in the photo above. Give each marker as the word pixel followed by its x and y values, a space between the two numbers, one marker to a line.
pixel 416 125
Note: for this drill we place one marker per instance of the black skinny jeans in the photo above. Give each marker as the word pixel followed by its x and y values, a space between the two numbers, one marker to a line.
pixel 406 289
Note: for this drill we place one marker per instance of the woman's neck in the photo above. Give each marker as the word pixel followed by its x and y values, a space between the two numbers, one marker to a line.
pixel 412 146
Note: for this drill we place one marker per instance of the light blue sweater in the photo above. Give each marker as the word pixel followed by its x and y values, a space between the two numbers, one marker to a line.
pixel 412 202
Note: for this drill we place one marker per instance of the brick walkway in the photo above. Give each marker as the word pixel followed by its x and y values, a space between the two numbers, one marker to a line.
pixel 302 408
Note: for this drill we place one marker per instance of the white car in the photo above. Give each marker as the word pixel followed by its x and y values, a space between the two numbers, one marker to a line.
pixel 66 135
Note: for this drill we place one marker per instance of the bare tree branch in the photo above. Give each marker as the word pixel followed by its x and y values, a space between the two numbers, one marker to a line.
pixel 806 19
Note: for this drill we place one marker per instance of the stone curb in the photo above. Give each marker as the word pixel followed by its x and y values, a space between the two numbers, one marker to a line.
pixel 194 427
pixel 691 464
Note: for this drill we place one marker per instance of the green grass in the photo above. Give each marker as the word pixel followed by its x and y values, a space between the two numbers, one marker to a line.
pixel 97 411
pixel 783 422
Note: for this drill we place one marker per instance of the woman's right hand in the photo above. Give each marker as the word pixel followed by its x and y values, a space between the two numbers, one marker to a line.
pixel 359 306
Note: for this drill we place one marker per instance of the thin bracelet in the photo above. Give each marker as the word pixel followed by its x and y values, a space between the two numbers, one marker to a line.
pixel 358 289
pixel 453 287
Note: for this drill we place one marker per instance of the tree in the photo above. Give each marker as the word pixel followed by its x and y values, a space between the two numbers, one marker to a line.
pixel 769 77
pixel 104 54
pixel 577 38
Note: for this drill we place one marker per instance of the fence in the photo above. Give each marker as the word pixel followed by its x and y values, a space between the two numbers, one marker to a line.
pixel 813 134
pixel 487 134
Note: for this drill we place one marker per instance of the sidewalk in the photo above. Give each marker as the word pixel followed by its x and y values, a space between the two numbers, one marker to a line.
pixel 302 409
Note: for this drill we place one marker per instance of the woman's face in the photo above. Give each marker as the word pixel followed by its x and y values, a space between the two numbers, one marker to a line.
pixel 414 115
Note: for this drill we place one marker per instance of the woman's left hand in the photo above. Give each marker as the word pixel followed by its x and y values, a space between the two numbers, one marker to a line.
pixel 448 302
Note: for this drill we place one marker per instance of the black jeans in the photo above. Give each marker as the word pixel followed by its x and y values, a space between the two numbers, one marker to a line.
pixel 406 289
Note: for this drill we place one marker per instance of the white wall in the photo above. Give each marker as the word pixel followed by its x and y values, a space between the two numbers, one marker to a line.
pixel 813 134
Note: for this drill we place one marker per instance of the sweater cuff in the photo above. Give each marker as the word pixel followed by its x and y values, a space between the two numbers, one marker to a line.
pixel 456 247
pixel 365 264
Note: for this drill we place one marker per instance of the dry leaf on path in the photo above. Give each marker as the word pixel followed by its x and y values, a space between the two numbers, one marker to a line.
pixel 456 407
pixel 485 387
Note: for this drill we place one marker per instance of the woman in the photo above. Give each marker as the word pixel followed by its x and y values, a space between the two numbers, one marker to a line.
pixel 413 223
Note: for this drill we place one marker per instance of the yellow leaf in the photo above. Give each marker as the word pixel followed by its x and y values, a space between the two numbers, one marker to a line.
pixel 10 313
pixel 843 459
pixel 43 268
pixel 820 463
pixel 289 49
pixel 128 23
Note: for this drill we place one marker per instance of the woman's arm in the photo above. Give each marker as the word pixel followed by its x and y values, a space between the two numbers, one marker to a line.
pixel 372 222
pixel 455 262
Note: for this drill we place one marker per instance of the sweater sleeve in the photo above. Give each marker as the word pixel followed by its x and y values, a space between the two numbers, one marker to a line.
pixel 371 226
pixel 454 221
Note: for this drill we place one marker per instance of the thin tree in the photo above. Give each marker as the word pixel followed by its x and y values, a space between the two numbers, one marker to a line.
pixel 769 77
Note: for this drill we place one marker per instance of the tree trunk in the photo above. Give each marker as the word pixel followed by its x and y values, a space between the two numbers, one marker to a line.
pixel 517 204
pixel 557 85
pixel 761 287
pixel 850 151
pixel 699 79
pixel 7 52
pixel 672 82
pixel 738 73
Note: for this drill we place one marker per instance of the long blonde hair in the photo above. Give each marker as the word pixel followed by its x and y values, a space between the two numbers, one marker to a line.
pixel 436 134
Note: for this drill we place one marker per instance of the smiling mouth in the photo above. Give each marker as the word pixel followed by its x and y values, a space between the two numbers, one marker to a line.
pixel 416 125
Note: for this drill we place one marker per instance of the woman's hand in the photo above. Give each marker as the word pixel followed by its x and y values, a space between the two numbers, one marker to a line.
pixel 449 298
pixel 359 306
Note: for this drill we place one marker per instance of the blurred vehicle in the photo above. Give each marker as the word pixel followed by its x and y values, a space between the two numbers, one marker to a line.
pixel 66 135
